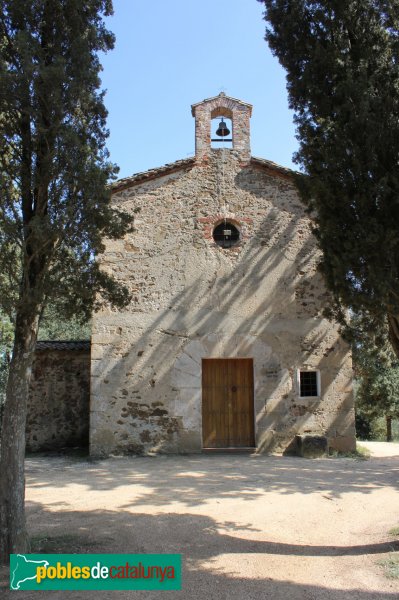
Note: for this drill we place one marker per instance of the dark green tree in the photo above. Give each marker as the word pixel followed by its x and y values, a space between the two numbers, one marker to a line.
pixel 54 198
pixel 376 369
pixel 54 326
pixel 342 64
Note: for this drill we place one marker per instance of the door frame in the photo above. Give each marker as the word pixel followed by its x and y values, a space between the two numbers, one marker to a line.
pixel 252 422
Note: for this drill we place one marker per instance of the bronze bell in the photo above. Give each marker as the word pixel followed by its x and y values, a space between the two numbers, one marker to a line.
pixel 222 130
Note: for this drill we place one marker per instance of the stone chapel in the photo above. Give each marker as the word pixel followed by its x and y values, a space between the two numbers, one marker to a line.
pixel 224 344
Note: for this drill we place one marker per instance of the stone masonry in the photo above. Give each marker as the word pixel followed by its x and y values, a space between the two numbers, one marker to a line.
pixel 192 299
pixel 59 395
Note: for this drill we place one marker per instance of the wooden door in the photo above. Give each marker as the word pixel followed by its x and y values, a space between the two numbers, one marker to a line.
pixel 227 403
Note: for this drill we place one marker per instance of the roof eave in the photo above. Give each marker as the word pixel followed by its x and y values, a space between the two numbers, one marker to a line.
pixel 188 163
pixel 151 174
pixel 274 168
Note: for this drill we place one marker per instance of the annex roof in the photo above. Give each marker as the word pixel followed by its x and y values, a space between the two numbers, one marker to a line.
pixel 63 345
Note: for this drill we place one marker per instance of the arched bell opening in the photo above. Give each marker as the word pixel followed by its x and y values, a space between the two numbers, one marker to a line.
pixel 221 132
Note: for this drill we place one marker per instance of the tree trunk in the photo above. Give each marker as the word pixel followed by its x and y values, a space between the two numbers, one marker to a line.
pixel 13 533
pixel 389 428
pixel 393 323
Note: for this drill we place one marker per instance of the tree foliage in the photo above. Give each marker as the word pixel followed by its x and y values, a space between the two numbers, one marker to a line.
pixel 54 326
pixel 376 369
pixel 342 64
pixel 54 198
pixel 54 209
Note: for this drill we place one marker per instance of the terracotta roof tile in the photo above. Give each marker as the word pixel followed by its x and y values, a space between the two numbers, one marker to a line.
pixel 272 166
pixel 186 163
pixel 63 345
pixel 126 182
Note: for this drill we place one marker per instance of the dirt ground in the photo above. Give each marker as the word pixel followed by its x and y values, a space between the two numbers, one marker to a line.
pixel 248 527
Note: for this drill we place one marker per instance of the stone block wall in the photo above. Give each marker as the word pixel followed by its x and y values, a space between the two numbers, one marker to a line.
pixel 191 299
pixel 58 404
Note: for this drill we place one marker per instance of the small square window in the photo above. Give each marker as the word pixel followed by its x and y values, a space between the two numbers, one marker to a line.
pixel 308 383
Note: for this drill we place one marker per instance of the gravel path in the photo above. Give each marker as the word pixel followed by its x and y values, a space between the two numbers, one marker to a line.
pixel 248 527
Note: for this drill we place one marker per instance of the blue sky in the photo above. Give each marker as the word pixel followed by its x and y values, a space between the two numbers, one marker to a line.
pixel 170 54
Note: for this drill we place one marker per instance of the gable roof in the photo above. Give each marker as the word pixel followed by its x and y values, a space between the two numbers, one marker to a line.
pixel 188 163
pixel 273 167
pixel 127 182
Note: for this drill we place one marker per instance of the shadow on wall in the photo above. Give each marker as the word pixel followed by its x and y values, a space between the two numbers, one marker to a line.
pixel 131 381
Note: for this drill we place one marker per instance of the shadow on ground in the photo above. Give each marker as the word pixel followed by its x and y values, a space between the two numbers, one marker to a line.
pixel 194 480
pixel 199 539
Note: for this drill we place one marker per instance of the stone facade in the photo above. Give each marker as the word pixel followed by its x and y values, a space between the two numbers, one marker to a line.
pixel 192 299
pixel 58 404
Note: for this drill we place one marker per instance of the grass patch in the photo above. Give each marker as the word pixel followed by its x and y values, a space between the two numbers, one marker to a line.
pixel 60 544
pixel 361 453
pixel 391 565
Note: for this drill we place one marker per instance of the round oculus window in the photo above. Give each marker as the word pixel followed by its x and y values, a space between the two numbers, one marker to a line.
pixel 226 234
